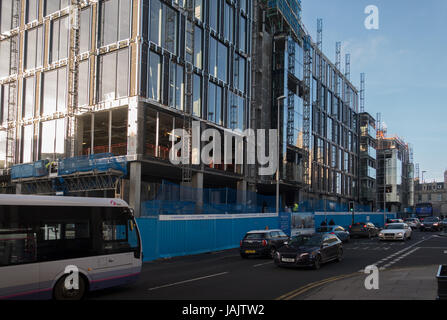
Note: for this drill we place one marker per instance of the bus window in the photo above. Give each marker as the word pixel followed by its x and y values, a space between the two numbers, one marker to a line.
pixel 17 246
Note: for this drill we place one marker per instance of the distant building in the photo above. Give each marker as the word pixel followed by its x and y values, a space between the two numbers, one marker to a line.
pixel 368 160
pixel 395 184
pixel 434 193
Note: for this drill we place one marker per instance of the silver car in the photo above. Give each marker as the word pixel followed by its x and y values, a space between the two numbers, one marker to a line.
pixel 395 231
pixel 414 223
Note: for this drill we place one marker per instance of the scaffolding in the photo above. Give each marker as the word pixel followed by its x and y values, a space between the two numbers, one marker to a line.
pixel 307 108
pixel 189 94
pixel 73 72
pixel 362 92
pixel 12 88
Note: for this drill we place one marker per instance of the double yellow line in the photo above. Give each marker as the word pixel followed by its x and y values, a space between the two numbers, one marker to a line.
pixel 300 291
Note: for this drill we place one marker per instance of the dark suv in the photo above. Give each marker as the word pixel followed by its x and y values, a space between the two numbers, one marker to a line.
pixel 430 223
pixel 262 243
pixel 361 229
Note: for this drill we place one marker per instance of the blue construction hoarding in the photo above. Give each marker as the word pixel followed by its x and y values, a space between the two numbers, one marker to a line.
pixel 179 235
pixel 168 236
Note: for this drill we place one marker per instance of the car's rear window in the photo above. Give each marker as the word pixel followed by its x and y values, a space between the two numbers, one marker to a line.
pixel 255 236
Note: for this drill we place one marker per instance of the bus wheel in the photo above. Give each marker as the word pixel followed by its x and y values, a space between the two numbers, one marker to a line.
pixel 62 293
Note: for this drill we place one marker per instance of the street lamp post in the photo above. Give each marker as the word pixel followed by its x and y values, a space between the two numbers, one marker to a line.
pixel 278 100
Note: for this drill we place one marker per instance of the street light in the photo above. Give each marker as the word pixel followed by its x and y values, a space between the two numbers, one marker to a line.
pixel 278 100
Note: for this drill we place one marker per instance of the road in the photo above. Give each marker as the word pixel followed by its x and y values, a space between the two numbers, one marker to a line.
pixel 225 276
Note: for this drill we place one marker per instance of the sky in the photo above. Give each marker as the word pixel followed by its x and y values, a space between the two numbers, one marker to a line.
pixel 405 65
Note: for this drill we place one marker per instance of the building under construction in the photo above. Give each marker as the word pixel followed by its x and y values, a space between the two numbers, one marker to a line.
pixel 91 91
pixel 395 173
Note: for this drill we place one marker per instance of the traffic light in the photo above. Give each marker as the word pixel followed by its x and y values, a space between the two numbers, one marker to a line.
pixel 351 206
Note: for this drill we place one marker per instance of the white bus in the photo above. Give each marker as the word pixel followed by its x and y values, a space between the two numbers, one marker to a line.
pixel 41 236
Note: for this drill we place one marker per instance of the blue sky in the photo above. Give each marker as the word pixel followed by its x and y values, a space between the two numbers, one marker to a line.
pixel 405 65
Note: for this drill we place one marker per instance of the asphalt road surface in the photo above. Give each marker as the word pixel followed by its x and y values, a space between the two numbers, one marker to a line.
pixel 226 276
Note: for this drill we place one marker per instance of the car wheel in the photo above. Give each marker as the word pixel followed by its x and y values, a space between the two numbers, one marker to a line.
pixel 317 263
pixel 243 256
pixel 62 293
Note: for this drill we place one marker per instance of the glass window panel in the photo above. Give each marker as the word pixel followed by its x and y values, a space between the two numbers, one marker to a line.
pixel 211 101
pixel 123 73
pixel 218 108
pixel 109 22
pixel 85 32
pixel 30 44
pixel 170 30
pixel 242 33
pixel 62 90
pixel 49 92
pixel 180 88
pixel 48 139
pixel 198 9
pixel 5 15
pixel 4 57
pixel 156 25
pixel 27 147
pixel 31 10
pixel 84 81
pixel 3 136
pixel 108 76
pixel 197 96
pixel 172 71
pixel 222 59
pixel 213 14
pixel 198 47
pixel 59 39
pixel 28 97
pixel 124 19
pixel 60 138
pixel 154 75
pixel 212 57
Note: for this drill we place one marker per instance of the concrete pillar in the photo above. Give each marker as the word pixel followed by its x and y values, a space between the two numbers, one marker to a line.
pixel 135 139
pixel 135 188
pixel 197 183
pixel 242 192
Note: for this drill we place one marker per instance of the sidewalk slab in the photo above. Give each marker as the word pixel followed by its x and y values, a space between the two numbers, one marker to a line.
pixel 418 283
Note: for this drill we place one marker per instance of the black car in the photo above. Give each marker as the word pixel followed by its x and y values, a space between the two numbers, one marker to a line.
pixel 361 229
pixel 431 223
pixel 262 243
pixel 309 251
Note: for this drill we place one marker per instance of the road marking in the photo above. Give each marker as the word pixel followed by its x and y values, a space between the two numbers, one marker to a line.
pixel 303 289
pixel 401 252
pixel 186 281
pixel 262 264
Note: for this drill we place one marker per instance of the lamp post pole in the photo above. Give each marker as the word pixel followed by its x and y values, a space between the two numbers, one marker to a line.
pixel 278 100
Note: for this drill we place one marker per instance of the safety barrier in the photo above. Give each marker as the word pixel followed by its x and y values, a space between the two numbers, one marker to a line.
pixel 99 162
pixel 29 170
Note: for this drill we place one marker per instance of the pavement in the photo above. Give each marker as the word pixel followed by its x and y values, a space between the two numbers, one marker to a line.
pixel 415 283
